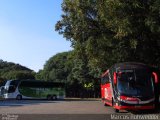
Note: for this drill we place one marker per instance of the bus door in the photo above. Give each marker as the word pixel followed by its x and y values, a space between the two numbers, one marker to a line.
pixel 106 90
pixel 1 89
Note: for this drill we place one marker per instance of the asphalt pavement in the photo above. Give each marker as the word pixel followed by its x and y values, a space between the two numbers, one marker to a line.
pixel 69 109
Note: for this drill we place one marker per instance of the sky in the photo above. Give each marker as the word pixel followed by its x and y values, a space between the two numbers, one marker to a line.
pixel 27 32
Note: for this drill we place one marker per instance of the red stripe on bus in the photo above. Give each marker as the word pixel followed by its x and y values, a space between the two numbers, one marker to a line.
pixel 134 107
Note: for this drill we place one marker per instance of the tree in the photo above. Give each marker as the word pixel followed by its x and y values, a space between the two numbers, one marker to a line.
pixel 112 31
pixel 17 75
pixel 74 72
pixel 56 68
pixel 9 70
pixel 104 32
pixel 135 25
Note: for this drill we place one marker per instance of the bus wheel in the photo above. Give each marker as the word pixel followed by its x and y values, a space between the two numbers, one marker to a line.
pixel 19 97
pixel 49 97
pixel 105 104
pixel 112 102
pixel 54 97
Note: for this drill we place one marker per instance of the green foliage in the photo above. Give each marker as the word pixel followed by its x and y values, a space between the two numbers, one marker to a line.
pixel 104 32
pixel 110 31
pixel 9 70
pixel 56 68
pixel 65 67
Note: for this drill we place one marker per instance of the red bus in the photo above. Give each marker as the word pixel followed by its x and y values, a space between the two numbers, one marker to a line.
pixel 129 86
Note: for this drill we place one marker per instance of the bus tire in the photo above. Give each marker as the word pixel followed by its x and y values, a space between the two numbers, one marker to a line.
pixel 54 97
pixel 112 102
pixel 19 97
pixel 105 104
pixel 115 110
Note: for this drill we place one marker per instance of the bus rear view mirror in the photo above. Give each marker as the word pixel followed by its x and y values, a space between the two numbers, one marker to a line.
pixel 155 77
pixel 114 78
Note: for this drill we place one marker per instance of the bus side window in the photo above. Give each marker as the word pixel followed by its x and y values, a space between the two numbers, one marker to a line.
pixel 12 88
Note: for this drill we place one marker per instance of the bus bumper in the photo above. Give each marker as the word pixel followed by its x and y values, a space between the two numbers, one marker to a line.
pixel 138 107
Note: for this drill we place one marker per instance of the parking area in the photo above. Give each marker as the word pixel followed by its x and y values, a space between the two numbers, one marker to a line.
pixel 82 107
pixel 75 106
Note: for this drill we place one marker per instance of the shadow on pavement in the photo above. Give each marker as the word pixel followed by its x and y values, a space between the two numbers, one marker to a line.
pixel 24 102
pixel 82 99
pixel 14 103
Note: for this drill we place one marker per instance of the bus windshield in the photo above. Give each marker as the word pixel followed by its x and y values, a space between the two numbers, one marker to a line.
pixel 135 82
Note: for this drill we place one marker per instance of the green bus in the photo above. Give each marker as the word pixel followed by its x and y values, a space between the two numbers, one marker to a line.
pixel 32 89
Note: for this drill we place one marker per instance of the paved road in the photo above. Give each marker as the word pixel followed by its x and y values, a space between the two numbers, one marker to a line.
pixel 54 107
pixel 90 109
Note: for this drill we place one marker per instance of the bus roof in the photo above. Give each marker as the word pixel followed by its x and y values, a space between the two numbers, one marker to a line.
pixel 130 65
pixel 126 65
